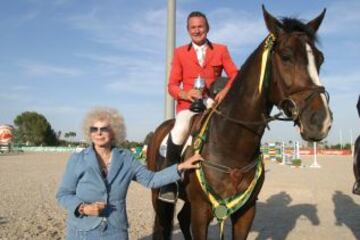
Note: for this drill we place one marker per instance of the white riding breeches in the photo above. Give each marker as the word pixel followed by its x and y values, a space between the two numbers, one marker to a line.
pixel 182 123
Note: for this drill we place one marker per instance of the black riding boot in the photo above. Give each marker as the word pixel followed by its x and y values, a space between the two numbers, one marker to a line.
pixel 168 193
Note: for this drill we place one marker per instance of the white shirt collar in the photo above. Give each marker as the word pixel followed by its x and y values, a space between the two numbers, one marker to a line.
pixel 196 47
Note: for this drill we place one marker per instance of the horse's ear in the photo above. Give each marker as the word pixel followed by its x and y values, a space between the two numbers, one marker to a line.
pixel 315 23
pixel 272 24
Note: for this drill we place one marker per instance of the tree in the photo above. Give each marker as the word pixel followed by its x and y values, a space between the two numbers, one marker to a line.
pixel 70 134
pixel 33 128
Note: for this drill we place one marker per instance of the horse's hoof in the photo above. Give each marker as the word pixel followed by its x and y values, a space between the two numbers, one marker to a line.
pixel 356 188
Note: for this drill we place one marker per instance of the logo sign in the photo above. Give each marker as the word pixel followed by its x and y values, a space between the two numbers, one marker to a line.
pixel 6 133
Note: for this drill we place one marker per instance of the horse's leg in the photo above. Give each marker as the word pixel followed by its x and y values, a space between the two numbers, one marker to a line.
pixel 200 219
pixel 356 167
pixel 164 215
pixel 242 221
pixel 185 221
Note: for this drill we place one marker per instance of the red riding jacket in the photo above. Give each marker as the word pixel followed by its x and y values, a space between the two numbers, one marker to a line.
pixel 186 68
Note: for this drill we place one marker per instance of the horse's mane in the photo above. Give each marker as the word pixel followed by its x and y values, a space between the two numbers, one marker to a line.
pixel 290 25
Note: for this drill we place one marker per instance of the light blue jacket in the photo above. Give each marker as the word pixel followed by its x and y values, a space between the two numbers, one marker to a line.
pixel 83 182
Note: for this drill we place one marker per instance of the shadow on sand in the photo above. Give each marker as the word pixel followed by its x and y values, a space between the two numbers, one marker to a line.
pixel 264 224
pixel 270 227
pixel 347 212
pixel 3 220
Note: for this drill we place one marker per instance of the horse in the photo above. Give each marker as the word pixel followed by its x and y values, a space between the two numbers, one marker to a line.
pixel 283 71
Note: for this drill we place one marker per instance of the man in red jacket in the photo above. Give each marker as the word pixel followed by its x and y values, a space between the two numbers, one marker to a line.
pixel 199 59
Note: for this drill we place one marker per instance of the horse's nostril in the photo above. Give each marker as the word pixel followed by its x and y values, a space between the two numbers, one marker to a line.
pixel 314 118
pixel 317 117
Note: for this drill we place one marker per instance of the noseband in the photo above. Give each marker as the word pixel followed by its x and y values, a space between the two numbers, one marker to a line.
pixel 294 105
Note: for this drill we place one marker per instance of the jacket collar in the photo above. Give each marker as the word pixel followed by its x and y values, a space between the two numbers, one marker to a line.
pixel 208 55
pixel 190 45
pixel 116 162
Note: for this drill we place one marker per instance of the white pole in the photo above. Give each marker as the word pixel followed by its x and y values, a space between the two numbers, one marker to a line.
pixel 341 139
pixel 283 153
pixel 315 164
pixel 170 45
pixel 297 150
pixel 294 150
pixel 351 143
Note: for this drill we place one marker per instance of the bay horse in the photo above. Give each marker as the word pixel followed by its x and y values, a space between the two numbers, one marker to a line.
pixel 288 79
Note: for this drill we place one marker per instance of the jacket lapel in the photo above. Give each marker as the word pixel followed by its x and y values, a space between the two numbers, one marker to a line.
pixel 192 54
pixel 92 160
pixel 116 164
pixel 208 55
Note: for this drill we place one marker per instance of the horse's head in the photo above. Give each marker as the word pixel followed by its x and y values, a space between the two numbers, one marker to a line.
pixel 294 69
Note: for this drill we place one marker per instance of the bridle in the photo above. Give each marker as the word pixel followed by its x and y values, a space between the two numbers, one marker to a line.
pixel 291 107
pixel 294 104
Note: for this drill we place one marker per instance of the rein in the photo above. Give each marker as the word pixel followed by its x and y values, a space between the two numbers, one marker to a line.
pixel 225 169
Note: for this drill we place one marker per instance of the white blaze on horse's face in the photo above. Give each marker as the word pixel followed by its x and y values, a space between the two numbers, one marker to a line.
pixel 314 75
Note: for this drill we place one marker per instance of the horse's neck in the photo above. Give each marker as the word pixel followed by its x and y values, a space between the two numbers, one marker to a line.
pixel 244 101
pixel 246 104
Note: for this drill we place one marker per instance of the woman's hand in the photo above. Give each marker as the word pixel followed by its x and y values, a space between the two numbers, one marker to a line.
pixel 190 163
pixel 94 209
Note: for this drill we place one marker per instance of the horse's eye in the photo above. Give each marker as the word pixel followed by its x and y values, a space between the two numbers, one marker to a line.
pixel 285 57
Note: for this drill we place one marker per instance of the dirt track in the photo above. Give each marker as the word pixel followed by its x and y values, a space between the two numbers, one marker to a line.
pixel 297 204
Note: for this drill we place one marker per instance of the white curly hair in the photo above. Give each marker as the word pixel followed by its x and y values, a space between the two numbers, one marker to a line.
pixel 110 115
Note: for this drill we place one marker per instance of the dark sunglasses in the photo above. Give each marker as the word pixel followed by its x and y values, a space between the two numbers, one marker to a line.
pixel 101 129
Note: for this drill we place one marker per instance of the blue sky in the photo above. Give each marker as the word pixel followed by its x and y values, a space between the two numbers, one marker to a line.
pixel 61 58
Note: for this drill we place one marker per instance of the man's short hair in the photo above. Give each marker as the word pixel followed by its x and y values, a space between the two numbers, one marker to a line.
pixel 198 14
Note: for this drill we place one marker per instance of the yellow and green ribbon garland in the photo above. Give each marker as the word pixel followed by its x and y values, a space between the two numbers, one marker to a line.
pixel 269 42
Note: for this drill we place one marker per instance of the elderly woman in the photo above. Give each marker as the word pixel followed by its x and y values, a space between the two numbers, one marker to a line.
pixel 96 180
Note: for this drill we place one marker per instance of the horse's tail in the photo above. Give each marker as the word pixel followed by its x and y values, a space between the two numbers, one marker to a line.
pixel 164 212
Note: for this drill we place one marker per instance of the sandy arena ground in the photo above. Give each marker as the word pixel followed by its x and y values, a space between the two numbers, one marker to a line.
pixel 298 204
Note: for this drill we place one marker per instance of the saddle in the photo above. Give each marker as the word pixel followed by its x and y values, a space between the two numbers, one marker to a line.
pixel 195 127
pixel 197 120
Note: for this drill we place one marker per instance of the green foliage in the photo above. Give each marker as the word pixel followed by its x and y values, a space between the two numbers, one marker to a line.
pixel 130 144
pixel 338 146
pixel 296 162
pixel 70 134
pixel 34 129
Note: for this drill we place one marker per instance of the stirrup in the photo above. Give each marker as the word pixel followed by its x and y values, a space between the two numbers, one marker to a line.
pixel 168 193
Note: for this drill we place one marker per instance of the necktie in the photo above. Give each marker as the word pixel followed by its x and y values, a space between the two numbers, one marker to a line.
pixel 200 53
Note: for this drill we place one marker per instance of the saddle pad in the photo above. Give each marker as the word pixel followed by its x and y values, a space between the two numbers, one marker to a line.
pixel 163 145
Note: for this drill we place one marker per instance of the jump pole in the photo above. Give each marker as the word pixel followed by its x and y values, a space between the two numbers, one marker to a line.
pixel 283 162
pixel 315 164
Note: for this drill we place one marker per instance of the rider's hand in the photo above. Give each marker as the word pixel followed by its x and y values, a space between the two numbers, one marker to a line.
pixel 193 94
pixel 220 96
pixel 94 209
pixel 190 163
